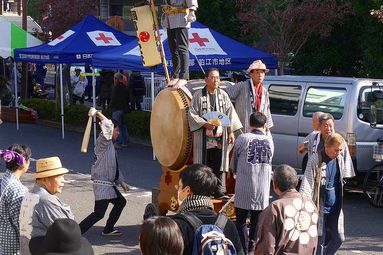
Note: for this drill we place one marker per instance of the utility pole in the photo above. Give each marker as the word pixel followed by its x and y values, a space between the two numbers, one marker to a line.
pixel 24 67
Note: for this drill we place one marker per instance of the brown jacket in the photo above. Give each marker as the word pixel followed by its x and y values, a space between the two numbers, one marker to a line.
pixel 287 227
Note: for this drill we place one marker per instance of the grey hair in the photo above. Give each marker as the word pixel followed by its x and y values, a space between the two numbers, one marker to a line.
pixel 285 177
pixel 325 116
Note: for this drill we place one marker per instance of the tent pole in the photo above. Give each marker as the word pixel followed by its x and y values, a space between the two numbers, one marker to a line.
pixel 152 97
pixel 5 76
pixel 62 101
pixel 94 103
pixel 16 97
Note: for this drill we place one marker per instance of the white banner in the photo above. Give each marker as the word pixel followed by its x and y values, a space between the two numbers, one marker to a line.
pixel 61 38
pixel 103 38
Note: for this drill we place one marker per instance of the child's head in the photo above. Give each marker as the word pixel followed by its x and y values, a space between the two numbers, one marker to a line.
pixel 160 235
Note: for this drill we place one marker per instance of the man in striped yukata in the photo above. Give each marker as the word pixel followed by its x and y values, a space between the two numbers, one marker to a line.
pixel 251 165
pixel 106 175
pixel 250 96
pixel 210 140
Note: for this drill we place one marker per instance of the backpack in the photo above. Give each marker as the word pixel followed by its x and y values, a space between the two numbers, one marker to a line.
pixel 209 239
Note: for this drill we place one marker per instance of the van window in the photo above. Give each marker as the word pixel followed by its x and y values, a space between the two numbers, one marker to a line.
pixel 328 100
pixel 284 99
pixel 367 98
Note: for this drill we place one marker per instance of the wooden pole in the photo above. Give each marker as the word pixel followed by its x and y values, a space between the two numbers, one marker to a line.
pixel 24 67
pixel 158 38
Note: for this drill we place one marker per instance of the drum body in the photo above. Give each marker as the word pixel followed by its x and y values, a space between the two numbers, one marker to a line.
pixel 169 128
pixel 172 144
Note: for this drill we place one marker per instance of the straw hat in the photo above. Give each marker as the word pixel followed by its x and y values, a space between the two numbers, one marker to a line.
pixel 47 167
pixel 258 65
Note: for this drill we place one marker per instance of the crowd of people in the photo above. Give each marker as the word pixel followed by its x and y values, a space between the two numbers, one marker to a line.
pixel 304 220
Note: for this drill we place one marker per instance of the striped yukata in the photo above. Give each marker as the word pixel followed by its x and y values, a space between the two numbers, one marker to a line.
pixel 244 101
pixel 308 187
pixel 316 143
pixel 251 164
pixel 175 21
pixel 12 193
pixel 198 107
pixel 106 175
pixel 104 170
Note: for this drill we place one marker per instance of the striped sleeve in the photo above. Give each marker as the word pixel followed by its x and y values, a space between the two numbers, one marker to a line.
pixel 307 185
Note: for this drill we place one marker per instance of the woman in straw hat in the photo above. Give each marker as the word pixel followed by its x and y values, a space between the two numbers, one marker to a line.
pixel 12 191
pixel 41 207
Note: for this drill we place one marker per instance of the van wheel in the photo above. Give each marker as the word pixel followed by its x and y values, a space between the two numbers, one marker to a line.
pixel 304 163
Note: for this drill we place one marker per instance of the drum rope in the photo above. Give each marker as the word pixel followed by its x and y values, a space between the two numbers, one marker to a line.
pixel 189 135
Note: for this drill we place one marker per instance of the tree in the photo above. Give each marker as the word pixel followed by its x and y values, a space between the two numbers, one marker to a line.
pixel 59 16
pixel 354 48
pixel 221 16
pixel 284 26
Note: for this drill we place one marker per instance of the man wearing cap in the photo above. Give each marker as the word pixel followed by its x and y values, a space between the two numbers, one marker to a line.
pixel 41 207
pixel 78 83
pixel 250 96
pixel 106 176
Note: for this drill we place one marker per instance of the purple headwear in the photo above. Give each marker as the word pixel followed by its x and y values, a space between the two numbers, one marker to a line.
pixel 12 156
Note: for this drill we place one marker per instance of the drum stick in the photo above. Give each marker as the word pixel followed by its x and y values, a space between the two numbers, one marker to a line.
pixel 158 38
pixel 226 204
pixel 85 139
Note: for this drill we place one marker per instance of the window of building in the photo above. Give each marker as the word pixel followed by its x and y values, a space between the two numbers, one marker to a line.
pixel 329 100
pixel 284 99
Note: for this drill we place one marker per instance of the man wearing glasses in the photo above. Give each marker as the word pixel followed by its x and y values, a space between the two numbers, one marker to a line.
pixel 250 96
pixel 210 138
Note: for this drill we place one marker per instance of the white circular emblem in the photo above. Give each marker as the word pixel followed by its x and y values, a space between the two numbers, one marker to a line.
pixel 301 221
pixel 290 211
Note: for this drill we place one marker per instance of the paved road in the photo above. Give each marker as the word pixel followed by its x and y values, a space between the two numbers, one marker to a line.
pixel 363 224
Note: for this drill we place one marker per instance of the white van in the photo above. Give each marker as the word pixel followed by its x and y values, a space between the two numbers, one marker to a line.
pixel 293 100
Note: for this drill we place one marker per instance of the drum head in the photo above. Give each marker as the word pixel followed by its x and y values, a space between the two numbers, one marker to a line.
pixel 169 128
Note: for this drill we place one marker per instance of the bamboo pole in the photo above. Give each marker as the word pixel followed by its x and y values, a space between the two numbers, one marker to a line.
pixel 158 39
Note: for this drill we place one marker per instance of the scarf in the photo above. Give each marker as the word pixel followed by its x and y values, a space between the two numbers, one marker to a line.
pixel 195 202
pixel 258 96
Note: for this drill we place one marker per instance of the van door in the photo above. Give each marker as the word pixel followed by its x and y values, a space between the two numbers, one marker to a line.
pixel 284 103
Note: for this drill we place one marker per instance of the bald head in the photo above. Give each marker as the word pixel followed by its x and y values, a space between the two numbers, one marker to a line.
pixel 315 120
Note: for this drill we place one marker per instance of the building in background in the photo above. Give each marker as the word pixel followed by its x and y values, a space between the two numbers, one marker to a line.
pixel 117 13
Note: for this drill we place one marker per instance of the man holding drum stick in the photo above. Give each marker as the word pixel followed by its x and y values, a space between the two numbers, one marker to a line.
pixel 106 176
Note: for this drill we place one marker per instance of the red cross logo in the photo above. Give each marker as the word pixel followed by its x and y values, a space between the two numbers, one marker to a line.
pixel 168 178
pixel 144 36
pixel 197 39
pixel 104 38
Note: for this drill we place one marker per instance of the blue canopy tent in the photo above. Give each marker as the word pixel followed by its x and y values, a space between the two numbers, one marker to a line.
pixel 211 48
pixel 77 45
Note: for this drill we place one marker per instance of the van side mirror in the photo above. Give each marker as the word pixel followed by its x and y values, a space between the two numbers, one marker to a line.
pixel 373 120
